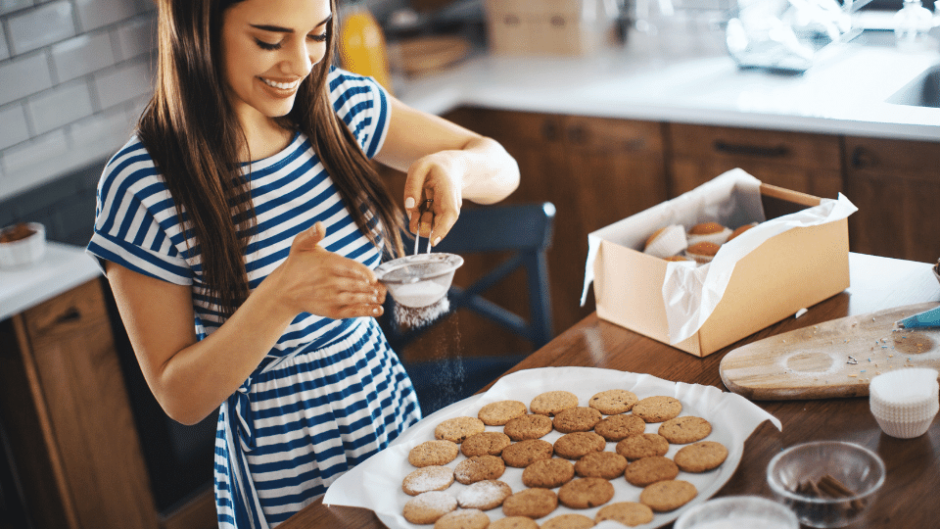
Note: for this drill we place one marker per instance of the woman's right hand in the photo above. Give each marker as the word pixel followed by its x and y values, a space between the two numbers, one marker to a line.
pixel 320 282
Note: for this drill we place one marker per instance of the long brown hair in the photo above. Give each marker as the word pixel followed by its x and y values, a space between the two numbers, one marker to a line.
pixel 192 133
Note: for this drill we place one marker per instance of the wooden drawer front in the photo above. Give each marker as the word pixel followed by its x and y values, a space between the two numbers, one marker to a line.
pixel 910 160
pixel 510 126
pixel 810 151
pixel 612 135
pixel 72 312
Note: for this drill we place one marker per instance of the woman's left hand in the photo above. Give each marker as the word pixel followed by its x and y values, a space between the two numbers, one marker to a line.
pixel 434 193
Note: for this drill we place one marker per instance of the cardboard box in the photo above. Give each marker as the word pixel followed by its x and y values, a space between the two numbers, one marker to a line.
pixel 789 271
pixel 549 27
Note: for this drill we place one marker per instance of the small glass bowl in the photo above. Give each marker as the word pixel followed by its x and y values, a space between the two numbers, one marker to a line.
pixel 26 250
pixel 420 280
pixel 738 512
pixel 857 468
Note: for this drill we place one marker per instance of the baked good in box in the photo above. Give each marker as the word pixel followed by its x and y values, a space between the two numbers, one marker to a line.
pixel 702 252
pixel 708 232
pixel 666 241
pixel 677 258
pixel 741 229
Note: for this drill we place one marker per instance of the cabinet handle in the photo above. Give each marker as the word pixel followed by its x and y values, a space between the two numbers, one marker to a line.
pixel 779 151
pixel 549 130
pixel 862 158
pixel 70 315
pixel 577 135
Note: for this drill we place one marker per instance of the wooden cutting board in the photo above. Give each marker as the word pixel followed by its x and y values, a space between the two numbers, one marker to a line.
pixel 836 358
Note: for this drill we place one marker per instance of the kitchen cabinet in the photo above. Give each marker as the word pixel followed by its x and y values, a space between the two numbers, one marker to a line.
pixel 810 163
pixel 896 186
pixel 70 424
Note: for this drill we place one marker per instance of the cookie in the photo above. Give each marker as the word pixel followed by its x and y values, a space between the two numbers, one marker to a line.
pixel 533 503
pixel 613 401
pixel 607 465
pixel 548 473
pixel 427 479
pixel 484 495
pixel 585 493
pixel 642 445
pixel 649 470
pixel 499 413
pixel 528 427
pixel 657 409
pixel 426 508
pixel 458 429
pixel 578 444
pixel 485 443
pixel 628 513
pixel 576 419
pixel 514 522
pixel 568 521
pixel 666 496
pixel 685 430
pixel 552 402
pixel 431 453
pixel 524 453
pixel 701 456
pixel 463 519
pixel 618 427
pixel 478 468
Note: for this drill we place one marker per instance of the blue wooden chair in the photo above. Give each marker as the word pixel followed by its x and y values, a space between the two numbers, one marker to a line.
pixel 524 230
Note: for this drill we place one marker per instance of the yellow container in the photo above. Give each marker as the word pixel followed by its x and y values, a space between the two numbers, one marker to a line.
pixel 362 46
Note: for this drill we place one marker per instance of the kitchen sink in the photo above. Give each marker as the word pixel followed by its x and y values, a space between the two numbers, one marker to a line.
pixel 924 91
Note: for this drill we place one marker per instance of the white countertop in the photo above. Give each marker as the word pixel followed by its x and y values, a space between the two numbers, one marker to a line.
pixel 844 92
pixel 63 268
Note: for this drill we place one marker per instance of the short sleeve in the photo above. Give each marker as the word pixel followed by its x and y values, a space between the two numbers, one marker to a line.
pixel 363 105
pixel 135 219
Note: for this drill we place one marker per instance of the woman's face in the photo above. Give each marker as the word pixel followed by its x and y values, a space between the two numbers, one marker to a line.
pixel 268 48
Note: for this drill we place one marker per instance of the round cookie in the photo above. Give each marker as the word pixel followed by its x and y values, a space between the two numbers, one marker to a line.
pixel 578 444
pixel 533 503
pixel 613 401
pixel 666 496
pixel 485 443
pixel 426 508
pixel 657 409
pixel 426 479
pixel 431 453
pixel 524 453
pixel 618 427
pixel 607 465
pixel 685 430
pixel 552 402
pixel 458 429
pixel 585 493
pixel 528 427
pixel 642 445
pixel 484 495
pixel 548 473
pixel 628 513
pixel 649 470
pixel 463 519
pixel 568 521
pixel 514 522
pixel 478 468
pixel 577 419
pixel 701 456
pixel 500 412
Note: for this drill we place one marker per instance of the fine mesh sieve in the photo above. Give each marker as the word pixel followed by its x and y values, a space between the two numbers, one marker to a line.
pixel 419 280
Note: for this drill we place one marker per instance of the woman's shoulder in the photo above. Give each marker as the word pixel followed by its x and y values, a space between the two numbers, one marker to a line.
pixel 130 170
pixel 348 87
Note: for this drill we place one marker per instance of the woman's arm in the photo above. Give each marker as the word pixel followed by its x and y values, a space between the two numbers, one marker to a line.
pixel 191 378
pixel 446 162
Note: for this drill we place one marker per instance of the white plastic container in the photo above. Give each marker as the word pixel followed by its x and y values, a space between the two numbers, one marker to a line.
pixel 905 401
pixel 26 251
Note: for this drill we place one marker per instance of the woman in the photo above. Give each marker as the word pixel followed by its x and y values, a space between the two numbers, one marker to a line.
pixel 262 304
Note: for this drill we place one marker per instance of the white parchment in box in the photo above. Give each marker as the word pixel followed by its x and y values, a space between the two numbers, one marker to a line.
pixel 795 257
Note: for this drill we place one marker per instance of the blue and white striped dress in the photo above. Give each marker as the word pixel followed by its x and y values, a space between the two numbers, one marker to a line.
pixel 331 392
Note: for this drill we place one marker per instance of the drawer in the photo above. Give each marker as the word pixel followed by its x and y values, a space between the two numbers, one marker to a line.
pixel 75 311
pixel 909 160
pixel 612 135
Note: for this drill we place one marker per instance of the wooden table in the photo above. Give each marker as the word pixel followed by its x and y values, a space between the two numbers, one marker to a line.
pixel 908 499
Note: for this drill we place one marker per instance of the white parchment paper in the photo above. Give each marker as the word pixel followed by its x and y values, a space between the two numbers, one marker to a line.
pixel 376 483
pixel 691 293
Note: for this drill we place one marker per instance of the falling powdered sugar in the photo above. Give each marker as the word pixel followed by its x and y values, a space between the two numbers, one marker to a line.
pixel 417 317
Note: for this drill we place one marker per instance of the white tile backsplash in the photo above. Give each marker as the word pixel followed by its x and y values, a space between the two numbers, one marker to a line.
pixel 82 55
pixel 13 127
pixel 136 37
pixel 123 83
pixel 102 134
pixel 37 152
pixel 35 28
pixel 60 106
pixel 23 76
pixel 9 6
pixel 93 14
pixel 4 50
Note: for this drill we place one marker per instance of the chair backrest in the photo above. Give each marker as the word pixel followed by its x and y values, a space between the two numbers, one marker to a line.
pixel 523 229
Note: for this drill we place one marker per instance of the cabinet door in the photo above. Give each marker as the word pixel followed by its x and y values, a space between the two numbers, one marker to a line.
pixel 896 186
pixel 809 163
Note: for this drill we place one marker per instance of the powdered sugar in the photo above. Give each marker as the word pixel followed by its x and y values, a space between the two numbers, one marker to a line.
pixel 413 318
pixel 438 501
pixel 428 479
pixel 481 494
